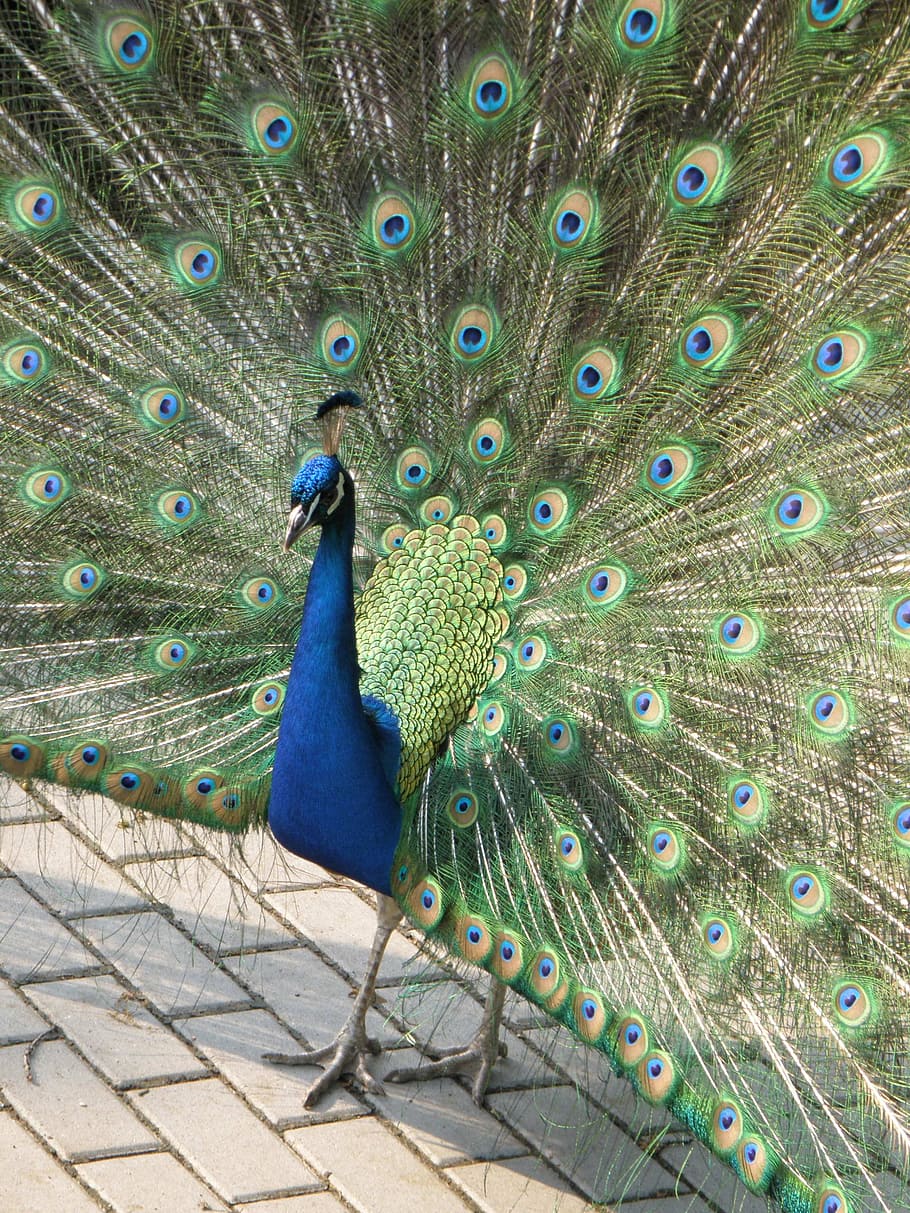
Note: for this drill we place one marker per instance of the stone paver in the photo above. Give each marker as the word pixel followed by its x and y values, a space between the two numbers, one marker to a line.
pixel 223 1141
pixel 66 1103
pixel 165 960
pixel 116 1033
pixel 33 1182
pixel 150 1183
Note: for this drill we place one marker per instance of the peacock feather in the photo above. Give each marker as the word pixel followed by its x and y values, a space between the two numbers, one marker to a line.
pixel 606 675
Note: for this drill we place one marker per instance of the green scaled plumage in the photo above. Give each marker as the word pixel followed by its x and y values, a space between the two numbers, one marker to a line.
pixel 625 290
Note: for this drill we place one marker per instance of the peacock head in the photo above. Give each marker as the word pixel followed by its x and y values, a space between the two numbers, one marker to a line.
pixel 322 485
pixel 317 492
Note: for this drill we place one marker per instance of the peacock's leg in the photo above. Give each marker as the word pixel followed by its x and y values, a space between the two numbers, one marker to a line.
pixel 480 1055
pixel 351 1047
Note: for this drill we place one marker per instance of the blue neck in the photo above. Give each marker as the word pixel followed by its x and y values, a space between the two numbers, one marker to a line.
pixel 331 801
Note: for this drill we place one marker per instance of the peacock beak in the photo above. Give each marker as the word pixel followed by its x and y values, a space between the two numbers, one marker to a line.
pixel 299 520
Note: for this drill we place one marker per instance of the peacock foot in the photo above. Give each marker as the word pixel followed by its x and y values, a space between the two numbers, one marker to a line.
pixel 347 1054
pixel 351 1047
pixel 479 1056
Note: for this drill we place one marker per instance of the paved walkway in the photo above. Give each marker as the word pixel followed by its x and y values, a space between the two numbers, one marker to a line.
pixel 156 963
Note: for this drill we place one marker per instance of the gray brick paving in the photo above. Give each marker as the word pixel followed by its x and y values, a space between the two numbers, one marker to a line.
pixel 162 960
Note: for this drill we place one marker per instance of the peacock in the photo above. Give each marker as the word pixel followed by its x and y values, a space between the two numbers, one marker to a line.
pixel 579 331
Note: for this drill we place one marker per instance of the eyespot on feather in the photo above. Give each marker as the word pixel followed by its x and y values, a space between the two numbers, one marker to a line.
pixel 657 1078
pixel 494 529
pixel 46 487
pixel 507 960
pixel 856 163
pixel 82 580
pixel 274 129
pixel 162 406
pixel 572 220
pixel 131 44
pixel 829 713
pixel 472 334
pixel 569 851
pixel 727 1127
pixel 559 736
pixel 641 24
pixel 172 654
pixel 492 717
pixel 798 511
pixel 754 1162
pixel 514 582
pixel 594 375
pixel 437 509
pixel 747 802
pixel 631 1040
pixel 670 468
pixel 473 938
pixel 606 585
pixel 340 344
pixel 37 207
pixel 588 1015
pixel 21 756
pixel 738 634
pixel 806 893
pixel 531 653
pixel 393 224
pixel 462 808
pixel 718 936
pixel 487 441
pixel 838 354
pixel 267 698
pixel 697 176
pixel 425 903
pixel 666 850
pixel 548 511
pixel 830 1198
pixel 85 761
pixel 177 508
pixel 647 707
pixel 393 537
pixel 201 786
pixel 853 1003
pixel 491 89
pixel 414 468
pixel 704 343
pixel 259 593
pixel 899 818
pixel 24 362
pixel 197 263
pixel 134 786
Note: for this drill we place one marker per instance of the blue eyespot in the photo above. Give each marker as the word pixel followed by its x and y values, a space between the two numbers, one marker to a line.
pixel 342 349
pixel 639 26
pixel 790 509
pixel 428 900
pixel 474 934
pixel 279 133
pixel 643 703
pixel 487 444
pixel 848 163
pixel 716 932
pixel 545 968
pixel 471 339
pixel 691 182
pixel 727 1118
pixel 824 706
pixel 555 733
pixel 660 842
pixel 823 11
pixel 51 488
pixel 202 265
pixel 732 629
pixel 395 229
pixel 90 755
pixel 655 1067
pixel 632 1034
pixel 829 356
pixel 568 846
pixel 230 802
pixel 569 226
pixel 661 471
pixel 134 48
pixel 803 887
pixel 750 1152
pixel 743 793
pixel 129 781
pixel 87 577
pixel 833 1204
pixel 177 652
pixel 490 96
pixel 599 584
pixel 543 512
pixel 20 752
pixel 266 592
pixel 699 344
pixel 588 380
pixel 29 364
pixel 205 786
pixel 506 951
pixel 847 997
pixel 168 406
pixel 589 1008
pixel 44 207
